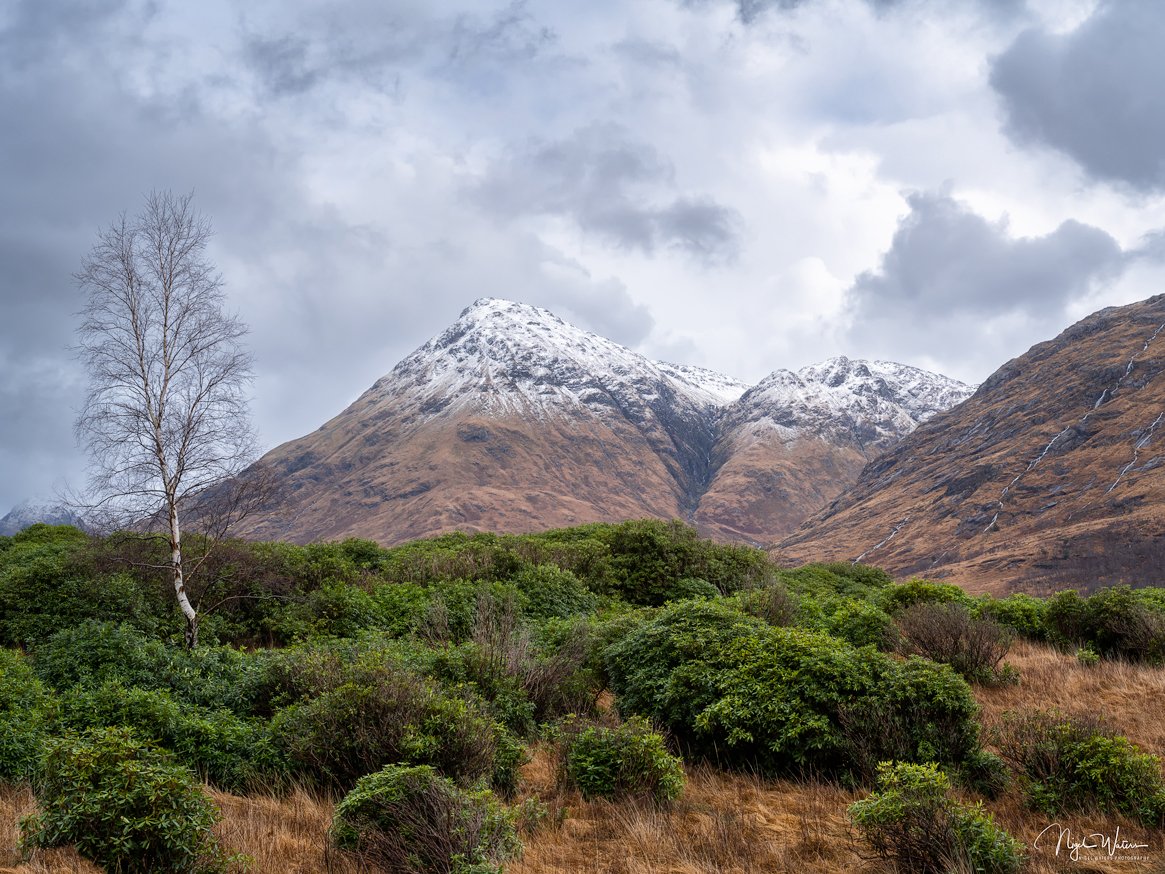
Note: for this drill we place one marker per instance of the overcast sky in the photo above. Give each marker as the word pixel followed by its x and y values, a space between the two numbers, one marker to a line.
pixel 741 185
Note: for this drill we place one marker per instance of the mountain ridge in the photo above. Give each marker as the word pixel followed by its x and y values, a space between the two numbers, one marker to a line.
pixel 511 404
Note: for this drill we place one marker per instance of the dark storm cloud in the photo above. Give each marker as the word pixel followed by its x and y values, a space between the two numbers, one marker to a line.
pixel 614 187
pixel 974 285
pixel 1094 93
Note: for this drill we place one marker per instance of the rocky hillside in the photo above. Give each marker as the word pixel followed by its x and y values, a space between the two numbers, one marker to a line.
pixel 513 420
pixel 1052 474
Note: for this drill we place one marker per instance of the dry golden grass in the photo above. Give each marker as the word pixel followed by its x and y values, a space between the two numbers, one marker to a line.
pixel 1129 697
pixel 732 823
pixel 14 804
pixel 723 823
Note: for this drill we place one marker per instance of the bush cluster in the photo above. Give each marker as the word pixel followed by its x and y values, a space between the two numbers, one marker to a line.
pixel 912 820
pixel 351 718
pixel 947 632
pixel 732 688
pixel 625 760
pixel 23 704
pixel 1074 763
pixel 1115 623
pixel 123 804
pixel 414 821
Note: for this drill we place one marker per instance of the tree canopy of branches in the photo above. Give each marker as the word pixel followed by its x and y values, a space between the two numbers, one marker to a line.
pixel 165 420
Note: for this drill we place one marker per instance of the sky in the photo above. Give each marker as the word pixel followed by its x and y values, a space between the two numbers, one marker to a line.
pixel 743 185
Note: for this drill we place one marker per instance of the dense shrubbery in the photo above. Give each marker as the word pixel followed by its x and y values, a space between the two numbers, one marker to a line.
pixel 232 753
pixel 1023 614
pixel 412 820
pixel 1069 764
pixel 123 804
pixel 626 760
pixel 1116 623
pixel 438 658
pixel 897 597
pixel 735 689
pixel 49 581
pixel 912 820
pixel 342 720
pixel 22 703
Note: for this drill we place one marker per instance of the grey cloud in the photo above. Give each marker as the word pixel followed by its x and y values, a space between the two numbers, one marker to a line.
pixel 376 44
pixel 748 11
pixel 616 188
pixel 1094 93
pixel 281 64
pixel 955 286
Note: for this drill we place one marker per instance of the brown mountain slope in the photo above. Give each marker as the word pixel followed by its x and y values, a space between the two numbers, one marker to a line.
pixel 1051 475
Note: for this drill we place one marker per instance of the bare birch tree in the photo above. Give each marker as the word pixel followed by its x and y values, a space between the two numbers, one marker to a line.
pixel 166 419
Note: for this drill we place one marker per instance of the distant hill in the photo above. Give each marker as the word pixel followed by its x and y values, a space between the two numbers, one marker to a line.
pixel 513 420
pixel 1052 474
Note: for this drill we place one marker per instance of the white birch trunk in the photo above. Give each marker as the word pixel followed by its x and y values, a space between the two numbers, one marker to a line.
pixel 179 581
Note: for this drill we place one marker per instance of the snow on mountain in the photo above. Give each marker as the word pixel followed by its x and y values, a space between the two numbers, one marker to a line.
pixel 31 512
pixel 869 402
pixel 506 358
pixel 704 386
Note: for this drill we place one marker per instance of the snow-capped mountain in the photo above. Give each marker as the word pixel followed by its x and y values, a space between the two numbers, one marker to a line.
pixel 512 419
pixel 31 512
pixel 874 403
pixel 504 358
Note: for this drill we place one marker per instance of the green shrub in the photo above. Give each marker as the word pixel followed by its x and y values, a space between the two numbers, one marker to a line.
pixel 232 753
pixel 915 711
pixel 335 609
pixel 124 805
pixel 1074 763
pixel 773 604
pixel 413 821
pixel 734 689
pixel 22 703
pixel 376 711
pixel 837 578
pixel 457 605
pixel 93 652
pixel 854 620
pixel 1023 614
pixel 628 760
pixel 1087 657
pixel 552 592
pixel 897 597
pixel 49 583
pixel 690 587
pixel 912 820
pixel 649 557
pixel 401 606
pixel 1116 623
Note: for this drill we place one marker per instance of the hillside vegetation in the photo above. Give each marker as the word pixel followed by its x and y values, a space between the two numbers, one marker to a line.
pixel 622 697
